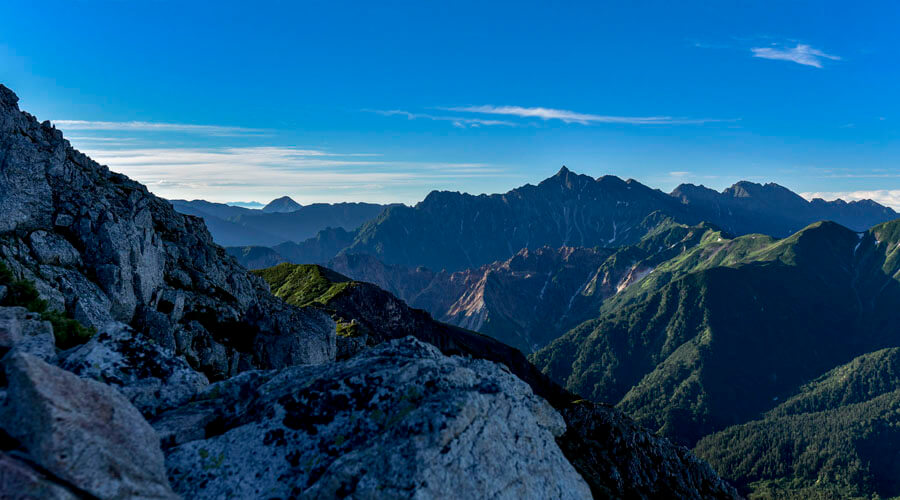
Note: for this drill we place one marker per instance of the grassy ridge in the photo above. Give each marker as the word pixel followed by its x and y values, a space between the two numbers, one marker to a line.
pixel 304 284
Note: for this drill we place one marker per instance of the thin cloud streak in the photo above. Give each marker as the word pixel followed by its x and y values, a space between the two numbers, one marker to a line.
pixel 567 116
pixel 456 121
pixel 137 126
pixel 269 172
pixel 801 54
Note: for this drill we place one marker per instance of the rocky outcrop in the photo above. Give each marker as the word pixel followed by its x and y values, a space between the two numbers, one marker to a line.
pixel 80 431
pixel 149 375
pixel 23 331
pixel 102 248
pixel 397 419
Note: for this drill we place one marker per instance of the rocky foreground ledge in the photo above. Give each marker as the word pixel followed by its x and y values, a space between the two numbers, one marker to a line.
pixel 198 383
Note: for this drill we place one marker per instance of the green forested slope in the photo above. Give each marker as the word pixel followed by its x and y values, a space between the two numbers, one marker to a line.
pixel 838 437
pixel 756 338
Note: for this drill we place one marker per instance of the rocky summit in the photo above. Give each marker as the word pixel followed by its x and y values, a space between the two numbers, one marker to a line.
pixel 101 248
pixel 139 360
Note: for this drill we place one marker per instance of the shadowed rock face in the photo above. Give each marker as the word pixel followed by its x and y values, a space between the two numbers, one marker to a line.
pixel 101 247
pixel 620 459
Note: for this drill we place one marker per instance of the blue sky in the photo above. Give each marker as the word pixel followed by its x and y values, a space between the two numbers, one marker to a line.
pixel 385 101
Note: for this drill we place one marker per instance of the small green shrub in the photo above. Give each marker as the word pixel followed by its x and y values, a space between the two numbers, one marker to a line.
pixel 68 332
pixel 22 293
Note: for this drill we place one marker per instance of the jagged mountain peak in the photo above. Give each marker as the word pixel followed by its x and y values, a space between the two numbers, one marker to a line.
pixel 567 179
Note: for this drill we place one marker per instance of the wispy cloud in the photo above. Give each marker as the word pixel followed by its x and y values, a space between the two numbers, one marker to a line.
pixel 801 54
pixel 229 173
pixel 567 116
pixel 457 121
pixel 136 126
pixel 887 197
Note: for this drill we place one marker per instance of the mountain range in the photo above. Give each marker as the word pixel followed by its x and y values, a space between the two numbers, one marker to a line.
pixel 455 231
pixel 282 220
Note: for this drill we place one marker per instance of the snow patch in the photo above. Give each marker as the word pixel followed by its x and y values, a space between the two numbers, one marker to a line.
pixel 544 288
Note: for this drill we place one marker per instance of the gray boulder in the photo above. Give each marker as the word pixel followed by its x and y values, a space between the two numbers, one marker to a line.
pixel 24 331
pixel 398 421
pixel 81 431
pixel 152 377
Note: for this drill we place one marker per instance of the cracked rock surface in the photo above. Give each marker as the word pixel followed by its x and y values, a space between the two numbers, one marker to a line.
pixel 396 419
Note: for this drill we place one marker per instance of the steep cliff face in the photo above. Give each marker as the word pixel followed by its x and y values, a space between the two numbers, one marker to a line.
pixel 102 248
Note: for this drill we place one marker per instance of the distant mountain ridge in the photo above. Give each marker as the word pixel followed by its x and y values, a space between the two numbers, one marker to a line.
pixel 747 207
pixel 278 222
pixel 282 205
pixel 456 231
